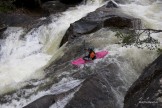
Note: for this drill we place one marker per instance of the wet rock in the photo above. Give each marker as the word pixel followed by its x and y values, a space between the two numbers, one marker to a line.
pixel 43 102
pixel 146 91
pixel 102 17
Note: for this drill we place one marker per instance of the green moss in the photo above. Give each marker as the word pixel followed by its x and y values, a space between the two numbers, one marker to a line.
pixel 126 38
pixel 133 38
pixel 159 51
pixel 4 9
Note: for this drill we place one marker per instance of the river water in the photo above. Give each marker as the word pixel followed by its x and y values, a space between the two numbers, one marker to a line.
pixel 24 59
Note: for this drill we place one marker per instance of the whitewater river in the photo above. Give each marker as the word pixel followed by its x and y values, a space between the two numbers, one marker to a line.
pixel 24 59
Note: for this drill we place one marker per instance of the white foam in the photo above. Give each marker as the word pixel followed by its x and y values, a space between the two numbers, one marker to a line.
pixel 64 85
pixel 22 58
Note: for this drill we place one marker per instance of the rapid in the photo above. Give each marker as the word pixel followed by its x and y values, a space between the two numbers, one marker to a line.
pixel 22 61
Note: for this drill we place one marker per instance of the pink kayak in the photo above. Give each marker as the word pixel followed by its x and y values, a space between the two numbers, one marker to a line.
pixel 80 61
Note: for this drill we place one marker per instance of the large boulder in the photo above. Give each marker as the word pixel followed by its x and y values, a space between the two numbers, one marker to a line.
pixel 107 16
pixel 30 4
pixel 146 92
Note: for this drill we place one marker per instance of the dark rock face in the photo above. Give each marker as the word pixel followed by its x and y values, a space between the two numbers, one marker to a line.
pixel 43 102
pixel 102 17
pixel 117 21
pixel 20 20
pixel 30 11
pixel 69 2
pixel 17 19
pixel 52 7
pixel 29 3
pixel 2 29
pixel 146 92
pixel 45 6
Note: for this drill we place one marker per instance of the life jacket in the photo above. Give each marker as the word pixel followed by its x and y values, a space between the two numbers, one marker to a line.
pixel 92 55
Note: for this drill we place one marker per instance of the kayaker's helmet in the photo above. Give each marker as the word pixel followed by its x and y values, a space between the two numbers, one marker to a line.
pixel 90 49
